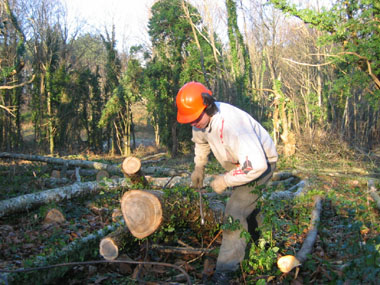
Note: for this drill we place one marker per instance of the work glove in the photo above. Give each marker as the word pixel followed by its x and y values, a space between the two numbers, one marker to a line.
pixel 197 177
pixel 219 184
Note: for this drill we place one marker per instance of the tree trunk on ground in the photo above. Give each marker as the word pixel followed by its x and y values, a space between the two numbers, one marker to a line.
pixel 53 160
pixel 288 262
pixel 29 201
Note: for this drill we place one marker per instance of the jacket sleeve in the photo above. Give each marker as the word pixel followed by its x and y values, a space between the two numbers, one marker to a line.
pixel 252 160
pixel 201 150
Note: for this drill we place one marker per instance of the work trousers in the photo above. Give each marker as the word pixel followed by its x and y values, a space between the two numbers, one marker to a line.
pixel 240 205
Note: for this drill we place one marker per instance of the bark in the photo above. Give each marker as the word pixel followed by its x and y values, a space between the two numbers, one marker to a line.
pixel 307 246
pixel 29 201
pixel 53 160
pixel 373 192
pixel 288 262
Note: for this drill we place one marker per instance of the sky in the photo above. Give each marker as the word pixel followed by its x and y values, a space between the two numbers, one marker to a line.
pixel 129 16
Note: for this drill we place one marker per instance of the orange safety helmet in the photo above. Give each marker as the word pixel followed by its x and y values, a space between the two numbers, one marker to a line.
pixel 190 102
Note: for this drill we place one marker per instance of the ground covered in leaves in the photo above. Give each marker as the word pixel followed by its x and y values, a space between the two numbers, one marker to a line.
pixel 347 249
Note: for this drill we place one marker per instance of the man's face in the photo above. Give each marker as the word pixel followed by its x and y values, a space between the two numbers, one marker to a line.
pixel 201 122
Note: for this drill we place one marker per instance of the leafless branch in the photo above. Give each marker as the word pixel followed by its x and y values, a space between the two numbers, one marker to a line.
pixel 18 85
pixel 307 64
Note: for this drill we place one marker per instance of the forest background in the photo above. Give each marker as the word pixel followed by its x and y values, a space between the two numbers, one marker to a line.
pixel 303 76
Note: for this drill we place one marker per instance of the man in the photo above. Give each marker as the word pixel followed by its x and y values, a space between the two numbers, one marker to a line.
pixel 243 147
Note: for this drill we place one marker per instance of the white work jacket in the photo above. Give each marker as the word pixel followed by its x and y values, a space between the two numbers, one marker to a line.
pixel 240 144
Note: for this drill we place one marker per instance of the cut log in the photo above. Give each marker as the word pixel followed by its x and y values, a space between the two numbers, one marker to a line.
pixel 288 262
pixel 101 175
pixel 54 216
pixel 131 167
pixel 142 212
pixel 111 245
pixel 373 192
pixel 30 201
pixel 53 160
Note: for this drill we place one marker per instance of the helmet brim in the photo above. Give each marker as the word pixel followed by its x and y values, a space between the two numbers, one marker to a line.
pixel 188 118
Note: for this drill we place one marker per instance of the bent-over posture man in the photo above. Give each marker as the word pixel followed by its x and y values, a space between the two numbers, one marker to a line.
pixel 243 147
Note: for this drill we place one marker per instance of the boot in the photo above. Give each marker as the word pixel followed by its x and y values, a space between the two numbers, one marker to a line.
pixel 222 277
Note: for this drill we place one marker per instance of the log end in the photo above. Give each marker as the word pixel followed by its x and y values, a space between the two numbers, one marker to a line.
pixel 101 175
pixel 131 165
pixel 287 263
pixel 108 249
pixel 54 216
pixel 142 212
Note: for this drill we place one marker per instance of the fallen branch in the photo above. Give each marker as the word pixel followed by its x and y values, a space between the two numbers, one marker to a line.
pixel 373 192
pixel 288 262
